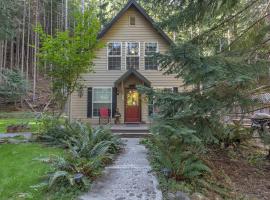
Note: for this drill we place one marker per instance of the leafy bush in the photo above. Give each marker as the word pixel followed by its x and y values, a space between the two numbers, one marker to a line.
pixel 89 150
pixel 90 143
pixel 53 131
pixel 180 163
pixel 70 172
pixel 234 135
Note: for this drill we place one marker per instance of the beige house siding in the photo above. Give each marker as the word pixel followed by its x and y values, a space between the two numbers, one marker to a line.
pixel 122 32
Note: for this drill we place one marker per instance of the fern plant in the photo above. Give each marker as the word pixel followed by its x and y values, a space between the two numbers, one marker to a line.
pixel 89 150
pixel 68 172
pixel 91 143
pixel 181 162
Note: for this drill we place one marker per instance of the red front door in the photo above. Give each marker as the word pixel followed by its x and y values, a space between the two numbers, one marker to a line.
pixel 132 106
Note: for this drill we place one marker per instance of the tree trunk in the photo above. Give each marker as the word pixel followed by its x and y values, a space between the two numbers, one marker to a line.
pixel 18 41
pixel 35 50
pixel 45 29
pixel 82 6
pixel 28 41
pixel 63 15
pixel 51 18
pixel 5 54
pixel 66 15
pixel 1 55
pixel 11 53
pixel 23 36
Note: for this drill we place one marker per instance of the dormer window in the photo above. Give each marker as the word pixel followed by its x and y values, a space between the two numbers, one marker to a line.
pixel 132 20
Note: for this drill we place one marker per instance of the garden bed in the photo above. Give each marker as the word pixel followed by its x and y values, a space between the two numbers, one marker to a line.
pixel 237 173
pixel 18 118
pixel 246 171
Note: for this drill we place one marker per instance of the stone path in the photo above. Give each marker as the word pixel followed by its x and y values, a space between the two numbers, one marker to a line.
pixel 12 135
pixel 129 178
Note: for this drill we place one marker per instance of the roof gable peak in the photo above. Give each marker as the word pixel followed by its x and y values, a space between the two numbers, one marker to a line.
pixel 143 12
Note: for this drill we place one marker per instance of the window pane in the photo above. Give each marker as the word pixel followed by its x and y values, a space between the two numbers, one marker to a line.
pixel 133 62
pixel 132 20
pixel 102 95
pixel 114 49
pixel 97 106
pixel 133 49
pixel 114 63
pixel 150 48
pixel 151 63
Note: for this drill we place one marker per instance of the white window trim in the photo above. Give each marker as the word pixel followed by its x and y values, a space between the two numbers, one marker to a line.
pixel 100 102
pixel 129 21
pixel 139 53
pixel 144 48
pixel 121 51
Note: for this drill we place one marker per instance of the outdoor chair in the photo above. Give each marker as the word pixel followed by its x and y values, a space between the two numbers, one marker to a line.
pixel 104 116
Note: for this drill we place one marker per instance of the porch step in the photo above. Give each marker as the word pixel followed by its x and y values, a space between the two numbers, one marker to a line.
pixel 132 135
pixel 131 130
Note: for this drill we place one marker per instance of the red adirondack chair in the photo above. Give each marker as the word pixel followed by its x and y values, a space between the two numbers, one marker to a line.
pixel 104 115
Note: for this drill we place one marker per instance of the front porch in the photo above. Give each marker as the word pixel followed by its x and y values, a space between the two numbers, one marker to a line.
pixel 132 106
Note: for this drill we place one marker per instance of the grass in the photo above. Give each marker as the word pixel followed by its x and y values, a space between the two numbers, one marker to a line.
pixel 19 171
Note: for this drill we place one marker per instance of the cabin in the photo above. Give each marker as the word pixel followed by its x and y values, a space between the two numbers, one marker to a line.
pixel 126 61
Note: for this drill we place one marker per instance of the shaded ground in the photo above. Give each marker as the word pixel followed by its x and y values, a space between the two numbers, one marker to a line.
pixel 129 178
pixel 245 171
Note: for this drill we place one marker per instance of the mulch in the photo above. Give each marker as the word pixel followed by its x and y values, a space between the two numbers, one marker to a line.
pixel 231 167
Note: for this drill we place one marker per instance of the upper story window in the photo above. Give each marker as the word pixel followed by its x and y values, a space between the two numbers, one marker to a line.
pixel 132 20
pixel 150 61
pixel 114 55
pixel 133 55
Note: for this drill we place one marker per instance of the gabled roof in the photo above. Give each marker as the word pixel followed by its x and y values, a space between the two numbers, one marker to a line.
pixel 136 74
pixel 133 3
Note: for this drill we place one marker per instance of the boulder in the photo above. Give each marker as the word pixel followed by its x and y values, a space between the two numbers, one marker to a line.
pixel 178 196
pixel 198 196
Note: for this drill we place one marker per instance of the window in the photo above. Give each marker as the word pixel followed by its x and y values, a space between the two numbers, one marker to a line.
pixel 102 98
pixel 133 55
pixel 150 62
pixel 132 20
pixel 114 55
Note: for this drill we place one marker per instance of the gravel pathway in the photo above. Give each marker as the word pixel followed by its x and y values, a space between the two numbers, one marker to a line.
pixel 129 178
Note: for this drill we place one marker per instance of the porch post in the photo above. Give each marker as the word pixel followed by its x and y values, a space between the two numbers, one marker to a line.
pixel 123 90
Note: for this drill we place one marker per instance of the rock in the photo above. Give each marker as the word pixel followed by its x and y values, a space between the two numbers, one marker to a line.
pixel 178 196
pixel 181 196
pixel 171 196
pixel 198 196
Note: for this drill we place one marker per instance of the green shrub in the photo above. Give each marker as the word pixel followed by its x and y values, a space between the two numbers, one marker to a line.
pixel 90 149
pixel 53 131
pixel 181 162
pixel 70 172
pixel 89 143
pixel 234 135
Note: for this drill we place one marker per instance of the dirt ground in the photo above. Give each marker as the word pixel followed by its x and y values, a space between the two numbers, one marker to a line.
pixel 244 170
